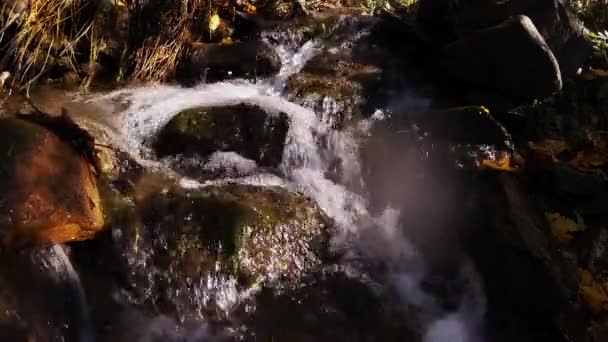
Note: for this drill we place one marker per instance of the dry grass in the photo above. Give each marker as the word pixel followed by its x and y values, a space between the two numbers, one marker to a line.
pixel 47 31
pixel 158 52
pixel 46 38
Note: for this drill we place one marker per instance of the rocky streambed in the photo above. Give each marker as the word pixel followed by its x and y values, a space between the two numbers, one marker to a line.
pixel 356 178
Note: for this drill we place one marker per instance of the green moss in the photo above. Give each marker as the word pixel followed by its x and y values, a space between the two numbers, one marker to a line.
pixel 247 230
pixel 247 130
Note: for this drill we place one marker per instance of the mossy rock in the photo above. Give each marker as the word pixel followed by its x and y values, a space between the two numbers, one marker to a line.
pixel 259 232
pixel 253 235
pixel 247 130
pixel 49 190
pixel 323 91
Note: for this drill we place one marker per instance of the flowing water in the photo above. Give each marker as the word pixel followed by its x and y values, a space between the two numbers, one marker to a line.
pixel 132 116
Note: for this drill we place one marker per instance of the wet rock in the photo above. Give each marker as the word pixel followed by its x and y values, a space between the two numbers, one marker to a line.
pixel 511 57
pixel 265 232
pixel 41 298
pixel 563 32
pixel 542 292
pixel 50 191
pixel 337 98
pixel 334 308
pixel 217 62
pixel 247 130
pixel 465 125
pixel 196 245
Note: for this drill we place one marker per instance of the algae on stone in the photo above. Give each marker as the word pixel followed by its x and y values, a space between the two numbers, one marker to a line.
pixel 247 130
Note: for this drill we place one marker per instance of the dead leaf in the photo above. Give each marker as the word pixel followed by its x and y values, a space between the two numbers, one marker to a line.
pixel 214 22
pixel 227 41
pixel 592 292
pixel 586 160
pixel 250 9
pixel 548 147
pixel 563 227
pixel 503 162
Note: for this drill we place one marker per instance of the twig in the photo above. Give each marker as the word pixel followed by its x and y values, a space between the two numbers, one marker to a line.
pixel 29 100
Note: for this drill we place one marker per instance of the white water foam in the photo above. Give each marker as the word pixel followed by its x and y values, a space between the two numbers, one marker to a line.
pixel 310 148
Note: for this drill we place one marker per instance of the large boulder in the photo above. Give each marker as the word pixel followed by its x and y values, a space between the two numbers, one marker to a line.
pixel 543 291
pixel 179 251
pixel 563 32
pixel 511 57
pixel 49 189
pixel 247 130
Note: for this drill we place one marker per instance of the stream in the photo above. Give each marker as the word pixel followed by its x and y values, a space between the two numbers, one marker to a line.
pixel 396 233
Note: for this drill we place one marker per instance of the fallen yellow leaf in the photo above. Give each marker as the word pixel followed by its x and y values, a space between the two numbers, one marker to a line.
pixel 585 160
pixel 250 9
pixel 214 22
pixel 592 292
pixel 499 165
pixel 563 227
pixel 503 161
pixel 548 147
pixel 227 41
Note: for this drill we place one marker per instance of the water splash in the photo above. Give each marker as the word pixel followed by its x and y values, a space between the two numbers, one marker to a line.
pixel 311 148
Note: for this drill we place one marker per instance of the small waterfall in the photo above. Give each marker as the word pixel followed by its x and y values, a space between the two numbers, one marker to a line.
pixel 305 165
pixel 56 268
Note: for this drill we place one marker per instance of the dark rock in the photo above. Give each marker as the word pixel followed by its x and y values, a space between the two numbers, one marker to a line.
pixel 570 181
pixel 511 57
pixel 542 292
pixel 41 298
pixel 247 130
pixel 563 32
pixel 217 62
pixel 334 308
pixel 598 252
pixel 465 125
pixel 49 190
pixel 595 206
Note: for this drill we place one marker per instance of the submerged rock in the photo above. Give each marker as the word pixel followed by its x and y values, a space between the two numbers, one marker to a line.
pixel 247 130
pixel 49 190
pixel 336 98
pixel 190 253
pixel 511 57
pixel 563 32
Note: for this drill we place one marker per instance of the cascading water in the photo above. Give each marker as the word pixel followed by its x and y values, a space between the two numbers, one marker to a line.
pixel 139 114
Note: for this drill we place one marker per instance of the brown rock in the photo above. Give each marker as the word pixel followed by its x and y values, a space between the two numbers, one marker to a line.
pixel 49 190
